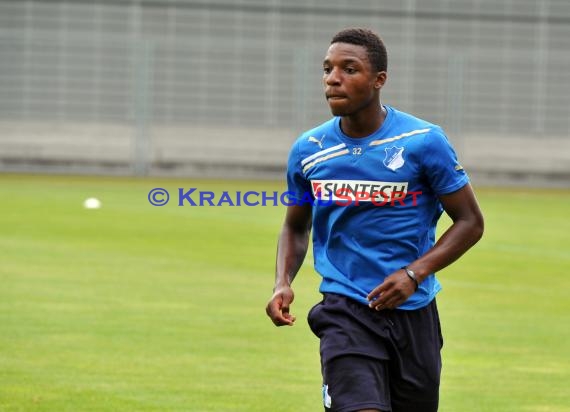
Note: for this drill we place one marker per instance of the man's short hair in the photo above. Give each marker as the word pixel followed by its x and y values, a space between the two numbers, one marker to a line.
pixel 370 41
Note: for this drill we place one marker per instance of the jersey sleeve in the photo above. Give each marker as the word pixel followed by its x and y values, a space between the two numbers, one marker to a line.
pixel 297 185
pixel 440 165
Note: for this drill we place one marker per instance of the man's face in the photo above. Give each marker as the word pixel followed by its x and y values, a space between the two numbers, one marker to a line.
pixel 350 82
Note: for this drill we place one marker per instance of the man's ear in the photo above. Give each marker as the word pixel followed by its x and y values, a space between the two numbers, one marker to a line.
pixel 381 78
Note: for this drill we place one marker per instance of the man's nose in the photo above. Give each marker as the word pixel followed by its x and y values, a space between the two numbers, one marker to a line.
pixel 333 77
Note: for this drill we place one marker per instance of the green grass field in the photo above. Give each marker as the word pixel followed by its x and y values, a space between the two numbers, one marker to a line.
pixel 139 308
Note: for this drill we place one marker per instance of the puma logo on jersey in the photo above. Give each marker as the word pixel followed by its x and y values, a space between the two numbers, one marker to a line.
pixel 317 141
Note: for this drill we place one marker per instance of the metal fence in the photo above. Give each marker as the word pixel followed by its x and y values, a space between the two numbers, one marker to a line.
pixel 223 88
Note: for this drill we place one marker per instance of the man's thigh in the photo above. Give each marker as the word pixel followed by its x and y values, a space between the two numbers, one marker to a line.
pixel 415 361
pixel 355 383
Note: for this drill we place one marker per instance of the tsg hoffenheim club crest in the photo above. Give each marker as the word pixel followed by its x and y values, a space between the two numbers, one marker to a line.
pixel 394 159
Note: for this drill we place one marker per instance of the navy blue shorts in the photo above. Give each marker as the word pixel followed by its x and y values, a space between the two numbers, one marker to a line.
pixel 388 360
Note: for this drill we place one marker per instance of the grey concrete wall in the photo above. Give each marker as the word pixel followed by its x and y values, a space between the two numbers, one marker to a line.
pixel 216 151
pixel 146 87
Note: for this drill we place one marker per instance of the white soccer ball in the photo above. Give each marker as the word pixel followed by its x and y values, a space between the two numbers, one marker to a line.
pixel 92 203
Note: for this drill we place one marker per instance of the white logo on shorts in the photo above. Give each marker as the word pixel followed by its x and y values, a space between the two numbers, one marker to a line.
pixel 327 400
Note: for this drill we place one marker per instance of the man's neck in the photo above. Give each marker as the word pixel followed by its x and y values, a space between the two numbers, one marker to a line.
pixel 365 123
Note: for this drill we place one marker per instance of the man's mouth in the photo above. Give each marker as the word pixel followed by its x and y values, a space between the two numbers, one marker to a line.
pixel 335 97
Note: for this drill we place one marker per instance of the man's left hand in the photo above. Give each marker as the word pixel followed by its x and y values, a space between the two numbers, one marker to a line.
pixel 394 291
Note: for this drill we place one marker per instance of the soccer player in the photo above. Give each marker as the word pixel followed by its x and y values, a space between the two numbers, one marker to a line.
pixel 372 183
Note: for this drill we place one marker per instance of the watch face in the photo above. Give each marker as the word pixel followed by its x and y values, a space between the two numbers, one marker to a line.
pixel 412 276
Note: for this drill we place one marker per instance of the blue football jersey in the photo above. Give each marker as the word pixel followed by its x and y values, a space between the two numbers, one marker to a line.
pixel 375 200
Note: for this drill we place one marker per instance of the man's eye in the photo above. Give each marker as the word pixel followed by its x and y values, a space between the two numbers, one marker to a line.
pixel 350 70
pixel 326 70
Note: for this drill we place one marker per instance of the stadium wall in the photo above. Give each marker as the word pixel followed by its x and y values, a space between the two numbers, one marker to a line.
pixel 222 88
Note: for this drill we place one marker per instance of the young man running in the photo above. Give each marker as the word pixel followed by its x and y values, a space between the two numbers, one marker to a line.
pixel 378 180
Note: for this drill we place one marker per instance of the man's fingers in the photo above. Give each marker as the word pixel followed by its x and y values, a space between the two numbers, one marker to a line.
pixel 278 313
pixel 290 319
pixel 381 302
pixel 379 295
pixel 285 318
pixel 376 292
pixel 389 298
pixel 389 294
pixel 274 311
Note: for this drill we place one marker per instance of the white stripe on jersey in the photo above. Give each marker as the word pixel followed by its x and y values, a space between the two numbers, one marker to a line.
pixel 322 159
pixel 322 152
pixel 400 136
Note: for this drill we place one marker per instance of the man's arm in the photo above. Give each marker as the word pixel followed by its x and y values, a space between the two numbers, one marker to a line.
pixel 291 251
pixel 466 230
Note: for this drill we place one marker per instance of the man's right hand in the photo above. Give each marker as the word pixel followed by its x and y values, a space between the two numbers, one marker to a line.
pixel 278 306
